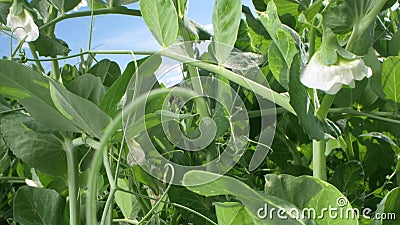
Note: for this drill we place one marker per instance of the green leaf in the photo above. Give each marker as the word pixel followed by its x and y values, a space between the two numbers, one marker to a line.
pixel 182 196
pixel 291 7
pixel 47 46
pixel 4 10
pixel 315 194
pixel 391 79
pixel 283 48
pixel 226 20
pixel 83 113
pixel 244 41
pixel 305 110
pixel 65 5
pixel 122 2
pixel 339 16
pixel 124 200
pixel 114 94
pixel 349 179
pixel 33 206
pixel 394 44
pixel 97 4
pixel 181 7
pixel 161 18
pixel 42 7
pixel 88 87
pixel 33 92
pixel 232 213
pixel 107 70
pixel 42 151
pixel 252 199
pixel 389 206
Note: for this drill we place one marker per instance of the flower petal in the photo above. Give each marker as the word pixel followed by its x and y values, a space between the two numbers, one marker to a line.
pixel 22 26
pixel 331 78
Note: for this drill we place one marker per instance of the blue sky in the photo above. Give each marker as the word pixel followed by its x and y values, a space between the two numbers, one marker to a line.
pixel 117 32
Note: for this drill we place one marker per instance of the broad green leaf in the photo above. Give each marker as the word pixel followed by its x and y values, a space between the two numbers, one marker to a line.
pixel 394 44
pixel 244 41
pixel 258 34
pixel 310 193
pixel 33 92
pixel 389 206
pixel 124 200
pixel 283 48
pixel 161 18
pixel 83 113
pixel 88 87
pixel 391 79
pixel 359 16
pixel 291 7
pixel 181 7
pixel 107 70
pixel 42 151
pixel 232 213
pixel 48 46
pixel 339 16
pixel 4 10
pixel 42 6
pixel 226 20
pixel 121 2
pixel 259 5
pixel 252 199
pixel 182 196
pixel 304 107
pixel 349 179
pixel 114 94
pixel 33 206
pixel 97 4
pixel 65 5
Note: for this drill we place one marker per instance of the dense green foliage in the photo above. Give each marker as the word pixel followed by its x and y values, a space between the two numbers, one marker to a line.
pixel 246 130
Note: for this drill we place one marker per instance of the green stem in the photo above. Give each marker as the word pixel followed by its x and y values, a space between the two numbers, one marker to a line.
pixel 105 52
pixel 13 179
pixel 86 141
pixel 201 105
pixel 312 36
pixel 109 131
pixel 36 57
pixel 369 114
pixel 55 71
pixel 257 88
pixel 125 221
pixel 170 203
pixel 326 104
pixel 108 207
pixel 73 183
pixel 319 160
pixel 161 198
pixel 116 10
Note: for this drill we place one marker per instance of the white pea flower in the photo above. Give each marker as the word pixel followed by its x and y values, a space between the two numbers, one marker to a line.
pixel 22 25
pixel 331 78
pixel 32 183
pixel 81 4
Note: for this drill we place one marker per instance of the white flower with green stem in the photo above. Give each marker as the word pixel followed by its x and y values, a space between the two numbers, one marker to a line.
pixel 21 23
pixel 331 67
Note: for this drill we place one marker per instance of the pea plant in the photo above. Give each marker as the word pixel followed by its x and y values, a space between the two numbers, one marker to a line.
pixel 287 113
